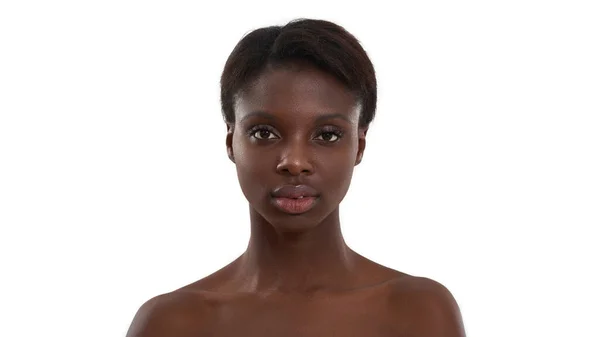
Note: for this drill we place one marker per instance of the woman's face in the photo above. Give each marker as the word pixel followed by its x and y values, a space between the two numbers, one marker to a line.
pixel 295 143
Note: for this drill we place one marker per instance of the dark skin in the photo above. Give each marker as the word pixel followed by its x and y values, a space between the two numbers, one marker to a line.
pixel 298 277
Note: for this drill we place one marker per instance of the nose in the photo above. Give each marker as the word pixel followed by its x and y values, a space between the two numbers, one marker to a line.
pixel 295 160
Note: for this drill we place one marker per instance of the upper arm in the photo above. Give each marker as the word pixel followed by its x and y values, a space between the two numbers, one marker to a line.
pixel 167 315
pixel 428 309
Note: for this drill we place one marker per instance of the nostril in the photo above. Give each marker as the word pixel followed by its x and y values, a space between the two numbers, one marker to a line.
pixel 294 166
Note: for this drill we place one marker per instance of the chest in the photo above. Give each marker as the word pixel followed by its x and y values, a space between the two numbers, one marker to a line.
pixel 346 317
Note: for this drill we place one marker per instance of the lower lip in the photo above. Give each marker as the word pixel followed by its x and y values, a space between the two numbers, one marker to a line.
pixel 295 206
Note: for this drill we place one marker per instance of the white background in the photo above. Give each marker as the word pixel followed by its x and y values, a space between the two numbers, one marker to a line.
pixel 481 171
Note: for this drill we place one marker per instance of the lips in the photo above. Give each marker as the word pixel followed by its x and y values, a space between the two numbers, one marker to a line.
pixel 295 199
pixel 294 192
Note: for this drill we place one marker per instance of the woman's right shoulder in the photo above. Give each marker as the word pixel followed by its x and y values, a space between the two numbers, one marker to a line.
pixel 178 313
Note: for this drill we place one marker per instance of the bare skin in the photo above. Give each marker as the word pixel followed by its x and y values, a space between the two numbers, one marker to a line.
pixel 299 126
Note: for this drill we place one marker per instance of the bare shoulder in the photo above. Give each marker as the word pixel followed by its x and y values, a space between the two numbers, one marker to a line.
pixel 424 307
pixel 176 314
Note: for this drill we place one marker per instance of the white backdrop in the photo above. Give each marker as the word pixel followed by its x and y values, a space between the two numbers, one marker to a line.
pixel 481 169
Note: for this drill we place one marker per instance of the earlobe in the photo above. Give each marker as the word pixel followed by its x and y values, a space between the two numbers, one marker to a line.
pixel 230 155
pixel 362 142
pixel 229 142
pixel 358 158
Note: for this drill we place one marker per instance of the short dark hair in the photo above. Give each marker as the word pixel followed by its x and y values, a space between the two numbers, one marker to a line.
pixel 323 44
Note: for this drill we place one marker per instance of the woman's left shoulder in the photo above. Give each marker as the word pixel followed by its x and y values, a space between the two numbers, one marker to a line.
pixel 406 284
pixel 425 306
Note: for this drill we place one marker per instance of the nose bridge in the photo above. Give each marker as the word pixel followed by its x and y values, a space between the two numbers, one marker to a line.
pixel 295 157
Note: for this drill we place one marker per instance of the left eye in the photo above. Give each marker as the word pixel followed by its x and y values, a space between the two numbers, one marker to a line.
pixel 328 137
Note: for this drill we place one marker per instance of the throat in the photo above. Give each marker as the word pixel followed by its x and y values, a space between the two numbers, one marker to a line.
pixel 295 271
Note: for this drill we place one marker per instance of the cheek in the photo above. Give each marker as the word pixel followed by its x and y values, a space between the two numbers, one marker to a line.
pixel 248 178
pixel 250 162
pixel 337 170
pixel 252 168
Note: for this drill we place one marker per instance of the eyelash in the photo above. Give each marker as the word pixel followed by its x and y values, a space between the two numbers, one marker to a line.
pixel 257 128
pixel 323 130
pixel 332 130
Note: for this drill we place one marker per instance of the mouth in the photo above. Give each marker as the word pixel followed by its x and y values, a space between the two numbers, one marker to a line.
pixel 297 205
pixel 294 199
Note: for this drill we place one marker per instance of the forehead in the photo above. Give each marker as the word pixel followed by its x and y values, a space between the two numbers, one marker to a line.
pixel 297 93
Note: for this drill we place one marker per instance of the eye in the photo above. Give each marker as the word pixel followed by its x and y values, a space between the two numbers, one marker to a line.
pixel 328 137
pixel 262 133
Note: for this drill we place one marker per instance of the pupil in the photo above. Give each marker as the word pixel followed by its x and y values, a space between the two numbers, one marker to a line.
pixel 264 134
pixel 327 136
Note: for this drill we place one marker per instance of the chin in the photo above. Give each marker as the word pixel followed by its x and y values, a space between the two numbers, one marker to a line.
pixel 294 223
pixel 284 222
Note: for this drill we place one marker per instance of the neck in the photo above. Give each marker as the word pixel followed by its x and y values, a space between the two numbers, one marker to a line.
pixel 316 259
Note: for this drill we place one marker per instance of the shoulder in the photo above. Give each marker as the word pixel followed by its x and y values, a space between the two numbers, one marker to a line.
pixel 178 313
pixel 425 307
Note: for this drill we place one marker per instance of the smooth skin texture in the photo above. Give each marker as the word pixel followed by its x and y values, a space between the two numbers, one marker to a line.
pixel 298 278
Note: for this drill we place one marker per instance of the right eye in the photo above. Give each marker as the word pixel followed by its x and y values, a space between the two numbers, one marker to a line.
pixel 263 134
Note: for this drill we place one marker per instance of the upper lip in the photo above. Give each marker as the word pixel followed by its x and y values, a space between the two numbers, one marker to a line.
pixel 294 191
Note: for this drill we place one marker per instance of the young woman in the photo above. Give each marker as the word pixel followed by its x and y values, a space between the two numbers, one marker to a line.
pixel 297 101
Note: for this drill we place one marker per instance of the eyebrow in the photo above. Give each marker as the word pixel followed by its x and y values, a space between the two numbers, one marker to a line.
pixel 333 116
pixel 318 119
pixel 258 114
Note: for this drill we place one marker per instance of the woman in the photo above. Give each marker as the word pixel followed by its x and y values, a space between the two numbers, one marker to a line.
pixel 297 101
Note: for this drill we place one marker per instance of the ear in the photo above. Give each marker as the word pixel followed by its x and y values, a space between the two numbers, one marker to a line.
pixel 229 142
pixel 362 140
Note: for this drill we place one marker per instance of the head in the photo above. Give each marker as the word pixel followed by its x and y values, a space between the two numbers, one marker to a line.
pixel 297 101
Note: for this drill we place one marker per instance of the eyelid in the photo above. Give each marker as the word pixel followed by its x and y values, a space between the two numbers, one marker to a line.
pixel 329 128
pixel 337 131
pixel 252 130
